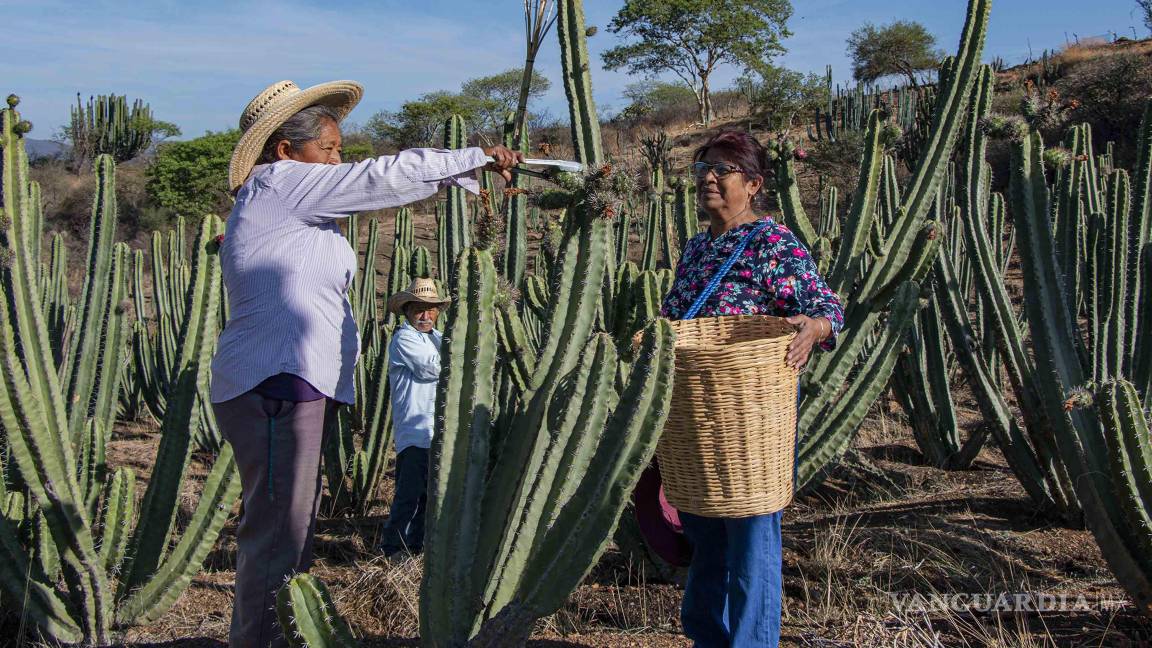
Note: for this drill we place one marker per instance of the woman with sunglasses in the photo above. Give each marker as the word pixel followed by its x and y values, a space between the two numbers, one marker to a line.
pixel 733 594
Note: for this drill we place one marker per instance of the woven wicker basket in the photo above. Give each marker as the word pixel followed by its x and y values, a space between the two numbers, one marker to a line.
pixel 728 448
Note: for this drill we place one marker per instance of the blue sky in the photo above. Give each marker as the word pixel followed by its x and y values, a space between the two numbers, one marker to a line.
pixel 198 63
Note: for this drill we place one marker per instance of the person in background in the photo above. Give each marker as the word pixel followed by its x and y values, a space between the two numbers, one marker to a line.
pixel 287 353
pixel 413 371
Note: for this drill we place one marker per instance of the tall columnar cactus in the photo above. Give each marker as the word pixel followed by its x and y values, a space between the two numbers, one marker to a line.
pixel 456 229
pixel 1089 443
pixel 515 261
pixel 55 469
pixel 879 287
pixel 97 350
pixel 520 506
pixel 653 232
pixel 1028 449
pixel 109 126
pixel 156 331
pixel 685 216
pixel 354 473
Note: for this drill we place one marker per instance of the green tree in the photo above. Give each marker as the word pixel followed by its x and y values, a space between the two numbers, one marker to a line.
pixel 419 122
pixel 657 102
pixel 483 102
pixel 691 38
pixel 777 94
pixel 902 48
pixel 191 178
pixel 497 95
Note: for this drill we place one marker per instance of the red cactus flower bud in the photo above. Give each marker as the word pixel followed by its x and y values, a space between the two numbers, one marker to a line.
pixel 800 154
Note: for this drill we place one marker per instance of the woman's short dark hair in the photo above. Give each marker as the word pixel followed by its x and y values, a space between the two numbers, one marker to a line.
pixel 299 129
pixel 737 147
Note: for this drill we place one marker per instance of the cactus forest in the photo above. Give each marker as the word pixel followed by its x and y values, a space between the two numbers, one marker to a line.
pixel 981 426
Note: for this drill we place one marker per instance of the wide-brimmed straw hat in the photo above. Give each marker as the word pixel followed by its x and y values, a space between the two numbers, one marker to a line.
pixel 274 106
pixel 421 290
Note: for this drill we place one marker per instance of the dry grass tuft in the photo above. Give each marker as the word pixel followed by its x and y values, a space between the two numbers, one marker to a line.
pixel 384 597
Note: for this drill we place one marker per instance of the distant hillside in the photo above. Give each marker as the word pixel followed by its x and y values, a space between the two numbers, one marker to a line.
pixel 38 148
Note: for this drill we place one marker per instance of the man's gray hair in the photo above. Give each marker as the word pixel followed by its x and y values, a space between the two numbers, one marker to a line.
pixel 301 128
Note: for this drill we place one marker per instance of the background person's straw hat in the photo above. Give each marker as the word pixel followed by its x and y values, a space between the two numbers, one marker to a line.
pixel 272 107
pixel 421 290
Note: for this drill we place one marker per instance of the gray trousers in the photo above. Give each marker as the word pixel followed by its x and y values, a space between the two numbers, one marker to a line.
pixel 277 446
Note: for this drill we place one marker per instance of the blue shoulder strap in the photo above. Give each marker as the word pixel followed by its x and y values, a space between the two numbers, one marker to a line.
pixel 723 271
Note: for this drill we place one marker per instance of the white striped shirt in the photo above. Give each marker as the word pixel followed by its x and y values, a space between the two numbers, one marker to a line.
pixel 288 268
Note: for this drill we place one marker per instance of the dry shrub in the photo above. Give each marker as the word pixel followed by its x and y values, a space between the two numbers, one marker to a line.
pixel 384 600
pixel 1110 92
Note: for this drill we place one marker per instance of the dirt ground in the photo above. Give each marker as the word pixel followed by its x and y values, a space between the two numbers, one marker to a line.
pixel 885 526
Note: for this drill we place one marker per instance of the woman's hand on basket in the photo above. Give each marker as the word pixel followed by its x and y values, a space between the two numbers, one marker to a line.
pixel 502 160
pixel 809 332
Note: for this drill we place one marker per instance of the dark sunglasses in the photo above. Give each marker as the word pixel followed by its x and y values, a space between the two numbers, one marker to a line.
pixel 721 169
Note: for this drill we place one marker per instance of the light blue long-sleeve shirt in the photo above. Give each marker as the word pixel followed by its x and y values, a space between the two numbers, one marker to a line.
pixel 413 371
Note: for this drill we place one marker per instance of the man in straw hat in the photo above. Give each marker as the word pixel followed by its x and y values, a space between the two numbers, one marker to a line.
pixel 413 371
pixel 287 353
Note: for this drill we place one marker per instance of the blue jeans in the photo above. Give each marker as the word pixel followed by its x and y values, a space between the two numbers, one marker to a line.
pixel 404 530
pixel 733 595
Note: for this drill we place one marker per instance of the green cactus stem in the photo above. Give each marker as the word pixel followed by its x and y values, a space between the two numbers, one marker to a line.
pixel 308 616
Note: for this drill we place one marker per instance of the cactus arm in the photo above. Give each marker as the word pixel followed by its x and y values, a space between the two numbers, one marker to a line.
pixel 32 410
pixel 858 226
pixel 57 301
pixel 119 504
pixel 110 356
pixel 515 346
pixel 38 599
pixel 308 616
pixel 823 443
pixel 935 153
pixel 578 82
pixel 652 234
pixel 1116 348
pixel 460 454
pixel 221 489
pixel 92 334
pixel 1139 315
pixel 576 408
pixel 790 203
pixel 158 508
pixel 577 537
pixel 457 231
pixel 1130 456
pixel 575 293
pixel 1022 459
pixel 146 370
pixel 516 209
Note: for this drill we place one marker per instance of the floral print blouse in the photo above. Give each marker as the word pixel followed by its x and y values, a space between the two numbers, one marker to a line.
pixel 775 275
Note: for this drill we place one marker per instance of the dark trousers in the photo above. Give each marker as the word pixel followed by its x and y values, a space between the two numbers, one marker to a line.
pixel 404 530
pixel 734 590
pixel 277 445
